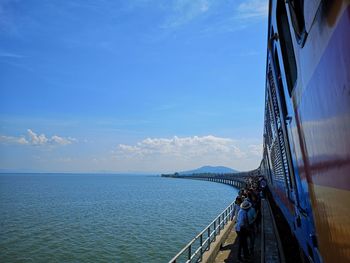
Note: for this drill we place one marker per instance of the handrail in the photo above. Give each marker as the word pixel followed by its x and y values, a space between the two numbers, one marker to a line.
pixel 213 229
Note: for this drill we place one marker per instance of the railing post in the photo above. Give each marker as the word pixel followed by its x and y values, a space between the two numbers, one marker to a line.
pixel 215 229
pixel 219 224
pixel 201 242
pixel 209 241
pixel 189 252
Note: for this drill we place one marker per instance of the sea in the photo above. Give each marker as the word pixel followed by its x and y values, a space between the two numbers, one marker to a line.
pixel 103 217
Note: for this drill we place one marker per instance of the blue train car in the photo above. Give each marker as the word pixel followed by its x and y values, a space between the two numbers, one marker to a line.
pixel 307 123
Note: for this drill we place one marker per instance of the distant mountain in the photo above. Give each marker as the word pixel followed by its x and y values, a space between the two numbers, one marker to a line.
pixel 210 169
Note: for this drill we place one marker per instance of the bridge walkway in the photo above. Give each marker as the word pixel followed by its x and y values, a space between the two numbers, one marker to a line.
pixel 267 246
pixel 223 245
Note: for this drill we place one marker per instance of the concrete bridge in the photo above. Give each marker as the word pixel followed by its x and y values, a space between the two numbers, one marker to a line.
pixel 235 181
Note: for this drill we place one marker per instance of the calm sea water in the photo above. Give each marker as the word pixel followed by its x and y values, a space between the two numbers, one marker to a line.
pixel 103 218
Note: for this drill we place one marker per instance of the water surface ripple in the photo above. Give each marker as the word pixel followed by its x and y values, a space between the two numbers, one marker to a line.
pixel 103 218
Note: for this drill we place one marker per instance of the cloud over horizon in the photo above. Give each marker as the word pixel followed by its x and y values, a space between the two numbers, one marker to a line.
pixel 177 146
pixel 35 139
pixel 149 155
pixel 186 152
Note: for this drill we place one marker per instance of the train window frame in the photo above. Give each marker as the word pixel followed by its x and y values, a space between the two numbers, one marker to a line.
pixel 287 48
pixel 296 10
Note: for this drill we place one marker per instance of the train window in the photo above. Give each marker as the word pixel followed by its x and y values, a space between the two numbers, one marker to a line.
pixel 280 85
pixel 296 8
pixel 286 47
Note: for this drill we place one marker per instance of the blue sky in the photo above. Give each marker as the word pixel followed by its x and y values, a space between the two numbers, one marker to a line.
pixel 131 86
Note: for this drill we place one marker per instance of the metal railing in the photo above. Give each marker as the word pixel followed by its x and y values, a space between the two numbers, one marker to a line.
pixel 194 250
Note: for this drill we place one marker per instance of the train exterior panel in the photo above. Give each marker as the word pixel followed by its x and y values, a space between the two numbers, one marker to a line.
pixel 307 123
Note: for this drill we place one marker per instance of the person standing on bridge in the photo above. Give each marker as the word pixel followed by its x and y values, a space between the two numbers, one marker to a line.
pixel 262 185
pixel 252 227
pixel 236 208
pixel 242 230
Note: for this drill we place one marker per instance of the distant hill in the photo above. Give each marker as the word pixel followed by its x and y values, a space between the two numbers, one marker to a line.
pixel 210 169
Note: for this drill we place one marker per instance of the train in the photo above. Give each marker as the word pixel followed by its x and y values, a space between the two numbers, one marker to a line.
pixel 306 136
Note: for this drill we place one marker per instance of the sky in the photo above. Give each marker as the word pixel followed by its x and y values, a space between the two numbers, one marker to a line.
pixel 129 86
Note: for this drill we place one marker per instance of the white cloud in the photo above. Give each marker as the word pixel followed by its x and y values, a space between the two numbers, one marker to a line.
pixel 185 147
pixel 151 155
pixel 256 149
pixel 36 139
pixel 13 140
pixel 180 153
pixel 62 140
pixel 184 11
pixel 219 16
pixel 253 9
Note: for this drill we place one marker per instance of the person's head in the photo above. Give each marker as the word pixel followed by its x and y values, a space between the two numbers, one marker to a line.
pixel 246 205
pixel 250 195
pixel 238 200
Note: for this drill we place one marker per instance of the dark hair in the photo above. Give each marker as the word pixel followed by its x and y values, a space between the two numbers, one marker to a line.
pixel 238 200
pixel 251 195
